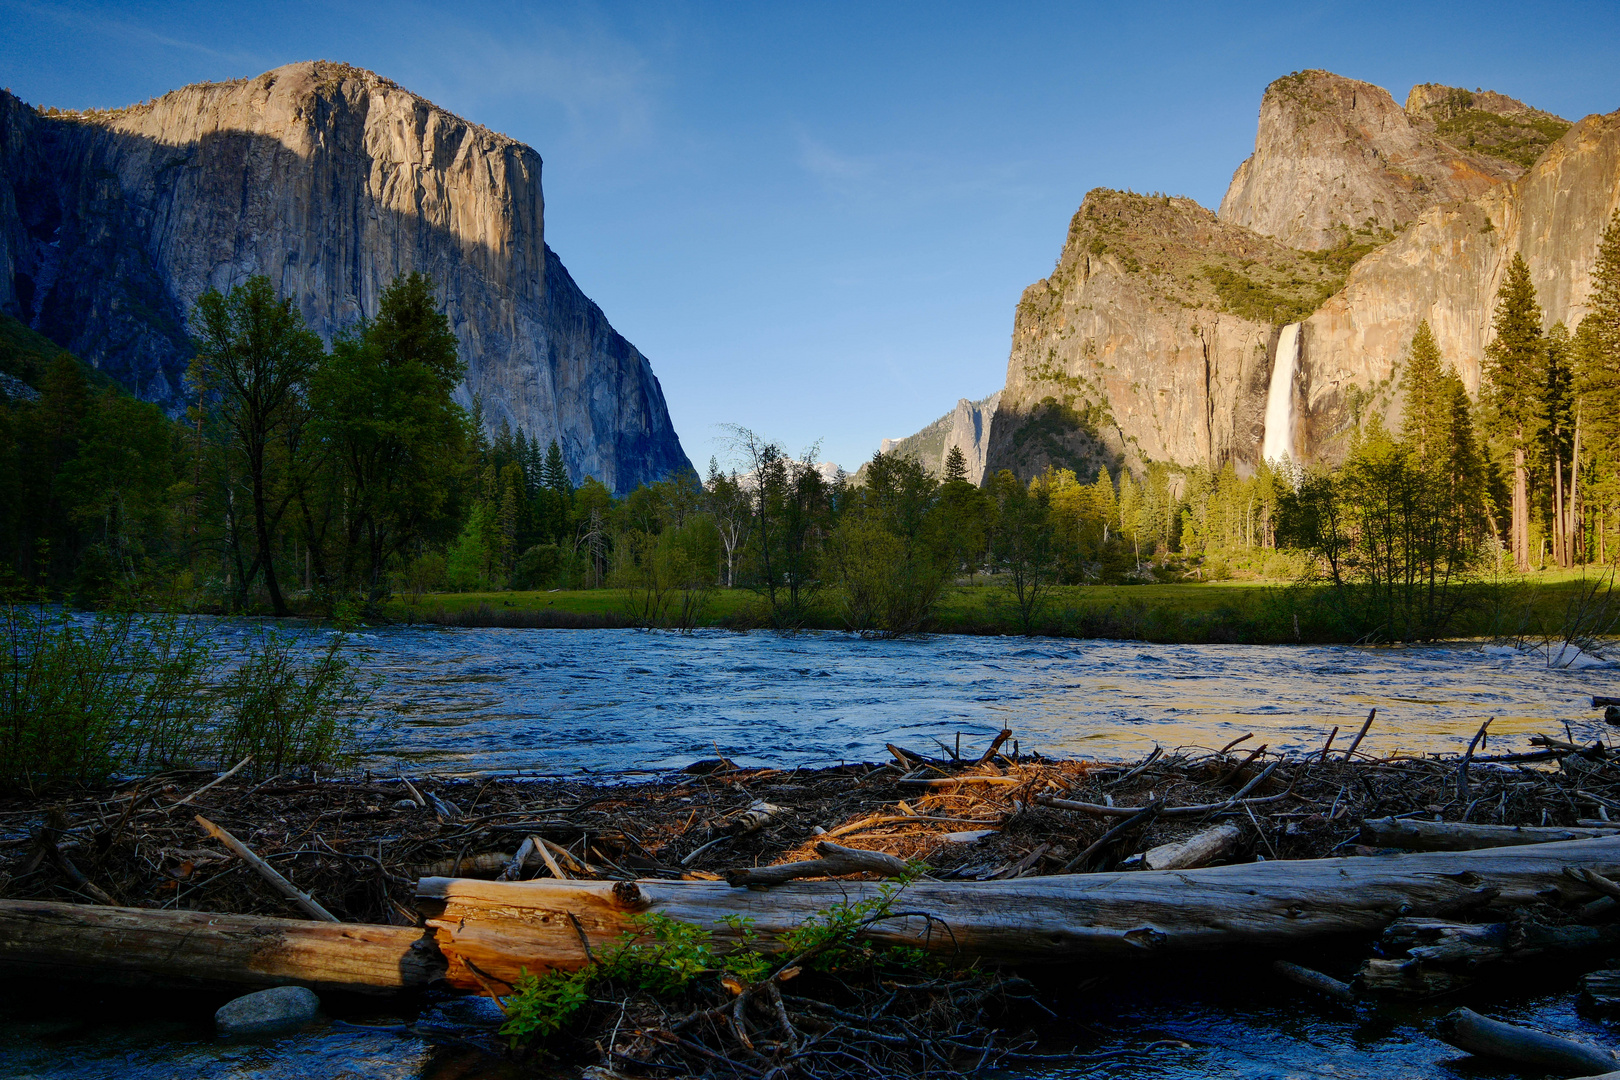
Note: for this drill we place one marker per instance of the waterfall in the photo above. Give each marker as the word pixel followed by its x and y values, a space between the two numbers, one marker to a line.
pixel 1279 439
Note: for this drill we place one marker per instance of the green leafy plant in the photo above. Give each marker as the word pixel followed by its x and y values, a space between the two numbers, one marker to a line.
pixel 288 711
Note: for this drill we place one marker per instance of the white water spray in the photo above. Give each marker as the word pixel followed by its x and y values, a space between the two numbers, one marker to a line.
pixel 1279 439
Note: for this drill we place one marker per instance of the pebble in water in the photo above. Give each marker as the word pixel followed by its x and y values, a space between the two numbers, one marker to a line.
pixel 282 1008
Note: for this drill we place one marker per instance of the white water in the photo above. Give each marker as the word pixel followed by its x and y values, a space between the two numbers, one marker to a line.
pixel 1279 440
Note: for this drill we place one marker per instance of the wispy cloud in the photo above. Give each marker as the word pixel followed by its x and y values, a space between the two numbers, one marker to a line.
pixel 123 29
pixel 907 175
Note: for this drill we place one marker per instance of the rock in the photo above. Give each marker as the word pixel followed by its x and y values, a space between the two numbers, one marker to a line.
pixel 705 766
pixel 966 427
pixel 1155 336
pixel 1611 715
pixel 406 805
pixel 331 181
pixel 281 1008
pixel 1335 157
pixel 970 836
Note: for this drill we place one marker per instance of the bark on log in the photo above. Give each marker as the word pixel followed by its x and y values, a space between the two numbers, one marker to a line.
pixel 1315 980
pixel 1467 1030
pixel 835 860
pixel 1416 835
pixel 142 947
pixel 1202 849
pixel 1432 945
pixel 1601 990
pixel 498 927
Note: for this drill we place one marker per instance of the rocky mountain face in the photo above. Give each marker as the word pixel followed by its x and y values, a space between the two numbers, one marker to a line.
pixel 1156 336
pixel 966 427
pixel 1335 156
pixel 331 181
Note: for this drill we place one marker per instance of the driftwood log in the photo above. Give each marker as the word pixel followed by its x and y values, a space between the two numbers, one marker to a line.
pixel 835 860
pixel 140 946
pixel 489 930
pixel 1213 845
pixel 1443 956
pixel 1467 1030
pixel 1417 835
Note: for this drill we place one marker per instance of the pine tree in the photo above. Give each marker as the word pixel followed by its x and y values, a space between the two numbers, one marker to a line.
pixel 1427 401
pixel 1597 389
pixel 955 465
pixel 1515 389
pixel 555 474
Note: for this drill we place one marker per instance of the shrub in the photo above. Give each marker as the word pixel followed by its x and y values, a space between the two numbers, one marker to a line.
pixel 83 697
pixel 289 712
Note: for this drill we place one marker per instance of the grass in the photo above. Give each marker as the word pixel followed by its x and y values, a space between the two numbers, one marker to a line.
pixel 1252 611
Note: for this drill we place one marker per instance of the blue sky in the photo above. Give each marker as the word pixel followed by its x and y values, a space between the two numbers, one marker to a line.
pixel 815 219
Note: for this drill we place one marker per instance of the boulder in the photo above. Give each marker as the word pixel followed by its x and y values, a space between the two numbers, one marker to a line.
pixel 281 1008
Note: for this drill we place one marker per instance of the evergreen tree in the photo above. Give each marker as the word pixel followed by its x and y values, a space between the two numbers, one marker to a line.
pixel 955 465
pixel 1557 437
pixel 1597 390
pixel 555 473
pixel 1515 391
pixel 1427 398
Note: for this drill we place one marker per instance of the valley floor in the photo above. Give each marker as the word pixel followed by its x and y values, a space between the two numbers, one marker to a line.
pixel 1247 611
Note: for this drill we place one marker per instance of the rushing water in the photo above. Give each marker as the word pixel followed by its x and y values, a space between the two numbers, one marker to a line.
pixel 462 701
pixel 469 701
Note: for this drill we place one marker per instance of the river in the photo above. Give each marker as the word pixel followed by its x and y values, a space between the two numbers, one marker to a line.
pixel 457 702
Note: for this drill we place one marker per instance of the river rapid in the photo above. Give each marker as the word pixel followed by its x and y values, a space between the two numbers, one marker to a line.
pixel 610 702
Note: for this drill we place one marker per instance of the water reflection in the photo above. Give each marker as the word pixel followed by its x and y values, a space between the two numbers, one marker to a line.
pixel 560 701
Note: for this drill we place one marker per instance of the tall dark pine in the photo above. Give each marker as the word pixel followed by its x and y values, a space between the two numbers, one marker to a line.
pixel 955 465
pixel 555 475
pixel 1515 390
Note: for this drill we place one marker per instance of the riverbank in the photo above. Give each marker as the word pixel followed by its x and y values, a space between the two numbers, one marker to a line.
pixel 1257 612
pixel 360 846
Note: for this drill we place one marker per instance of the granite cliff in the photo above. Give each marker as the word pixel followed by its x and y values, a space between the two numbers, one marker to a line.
pixel 966 427
pixel 330 180
pixel 1156 337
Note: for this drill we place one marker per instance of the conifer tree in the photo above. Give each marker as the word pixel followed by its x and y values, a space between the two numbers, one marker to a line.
pixel 955 465
pixel 1557 431
pixel 1597 390
pixel 1427 399
pixel 1515 389
pixel 555 475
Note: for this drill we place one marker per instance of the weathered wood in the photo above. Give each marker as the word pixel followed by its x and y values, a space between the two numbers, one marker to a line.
pixel 1315 980
pixel 1418 835
pixel 502 926
pixel 1601 990
pixel 1467 1030
pixel 1434 945
pixel 138 946
pixel 268 872
pixel 835 860
pixel 1201 849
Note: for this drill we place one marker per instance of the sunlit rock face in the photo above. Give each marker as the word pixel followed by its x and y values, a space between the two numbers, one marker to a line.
pixel 331 181
pixel 965 428
pixel 1336 156
pixel 1156 336
pixel 1447 267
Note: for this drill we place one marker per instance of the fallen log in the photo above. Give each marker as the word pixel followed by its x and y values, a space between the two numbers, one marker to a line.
pixel 835 860
pixel 489 930
pixel 1467 1030
pixel 1434 946
pixel 1417 835
pixel 1202 849
pixel 1315 980
pixel 143 947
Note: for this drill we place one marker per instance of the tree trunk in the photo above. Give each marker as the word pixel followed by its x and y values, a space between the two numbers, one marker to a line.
pixel 1558 509
pixel 1415 835
pixel 135 945
pixel 1577 546
pixel 1521 513
pixel 489 930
